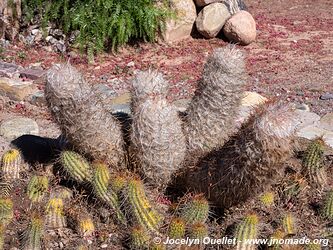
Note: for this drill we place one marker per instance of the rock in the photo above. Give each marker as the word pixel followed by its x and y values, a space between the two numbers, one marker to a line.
pixel 252 99
pixel 9 70
pixel 211 19
pixel 32 74
pixel 306 118
pixel 240 28
pixel 51 40
pixel 13 128
pixel 182 104
pixel 60 46
pixel 326 96
pixel 130 64
pixel 326 122
pixel 302 107
pixel 328 139
pixel 181 27
pixel 121 103
pixel 57 33
pixel 17 90
pixel 104 245
pixel 311 132
pixel 35 32
pixel 38 99
pixel 202 3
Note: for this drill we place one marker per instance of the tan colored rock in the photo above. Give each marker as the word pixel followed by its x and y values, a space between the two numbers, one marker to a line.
pixel 326 122
pixel 241 28
pixel 211 19
pixel 180 28
pixel 16 89
pixel 202 3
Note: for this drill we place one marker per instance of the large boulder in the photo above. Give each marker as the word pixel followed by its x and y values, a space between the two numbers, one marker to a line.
pixel 240 28
pixel 211 19
pixel 180 27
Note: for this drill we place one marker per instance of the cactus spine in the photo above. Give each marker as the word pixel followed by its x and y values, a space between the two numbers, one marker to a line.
pixel 37 187
pixel 196 210
pixel 139 238
pixel 82 116
pixel 6 211
pixel 118 182
pixel 157 137
pixel 267 199
pixel 312 164
pixel 86 226
pixel 34 233
pixel 289 224
pixel 328 205
pixel 100 184
pixel 142 210
pixel 11 165
pixel 177 228
pixel 247 230
pixel 55 213
pixel 76 166
pixel 198 231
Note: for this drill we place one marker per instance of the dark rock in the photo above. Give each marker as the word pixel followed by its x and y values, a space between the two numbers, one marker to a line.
pixel 32 74
pixel 326 96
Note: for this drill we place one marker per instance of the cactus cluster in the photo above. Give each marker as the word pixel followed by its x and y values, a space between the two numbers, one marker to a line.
pixel 192 175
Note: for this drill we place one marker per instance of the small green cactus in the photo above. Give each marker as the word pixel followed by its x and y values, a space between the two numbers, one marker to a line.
pixel 289 224
pixel 176 228
pixel 34 233
pixel 37 187
pixel 275 238
pixel 139 238
pixel 6 210
pixel 328 206
pixel 312 164
pixel 100 184
pixel 55 213
pixel 198 231
pixel 313 246
pixel 142 210
pixel 247 230
pixel 195 210
pixel 76 166
pixel 267 199
pixel 11 164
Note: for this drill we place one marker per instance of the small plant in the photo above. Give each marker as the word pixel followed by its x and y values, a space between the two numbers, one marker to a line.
pixel 267 199
pixel 142 210
pixel 196 210
pixel 33 234
pixel 76 166
pixel 177 228
pixel 11 165
pixel 37 188
pixel 86 226
pixel 247 230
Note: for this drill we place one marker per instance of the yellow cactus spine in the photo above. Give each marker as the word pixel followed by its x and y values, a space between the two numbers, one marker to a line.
pixel 37 188
pixel 6 211
pixel 55 213
pixel 86 226
pixel 267 199
pixel 142 210
pixel 196 210
pixel 34 233
pixel 11 164
pixel 247 230
pixel 76 166
pixel 177 228
pixel 100 184
pixel 118 182
pixel 289 224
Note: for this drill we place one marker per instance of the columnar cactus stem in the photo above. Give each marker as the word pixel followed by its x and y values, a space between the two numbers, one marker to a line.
pixel 55 213
pixel 247 230
pixel 37 188
pixel 177 228
pixel 82 116
pixel 34 233
pixel 158 141
pixel 195 210
pixel 6 211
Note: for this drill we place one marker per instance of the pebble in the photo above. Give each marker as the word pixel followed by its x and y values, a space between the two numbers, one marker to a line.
pixel 15 127
pixel 104 245
pixel 303 107
pixel 326 96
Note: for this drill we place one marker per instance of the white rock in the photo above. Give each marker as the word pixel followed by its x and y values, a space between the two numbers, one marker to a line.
pixel 311 132
pixel 211 19
pixel 13 128
pixel 306 118
pixel 326 122
pixel 252 99
pixel 328 139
